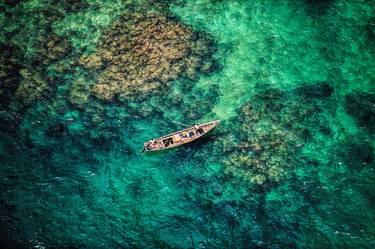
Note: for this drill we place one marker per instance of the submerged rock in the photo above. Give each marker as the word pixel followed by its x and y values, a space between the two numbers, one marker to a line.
pixel 142 53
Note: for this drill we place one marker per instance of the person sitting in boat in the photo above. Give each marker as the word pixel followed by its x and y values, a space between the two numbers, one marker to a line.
pixel 191 134
pixel 183 135
pixel 148 146
pixel 198 130
pixel 152 144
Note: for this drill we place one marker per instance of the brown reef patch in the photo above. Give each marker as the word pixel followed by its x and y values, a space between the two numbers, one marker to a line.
pixel 264 150
pixel 52 48
pixel 35 81
pixel 32 87
pixel 264 146
pixel 142 53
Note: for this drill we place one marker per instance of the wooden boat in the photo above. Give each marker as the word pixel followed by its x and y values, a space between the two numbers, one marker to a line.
pixel 179 137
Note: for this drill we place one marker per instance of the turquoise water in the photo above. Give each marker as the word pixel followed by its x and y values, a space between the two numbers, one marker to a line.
pixel 84 83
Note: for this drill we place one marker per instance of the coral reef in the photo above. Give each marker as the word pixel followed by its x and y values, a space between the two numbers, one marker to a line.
pixel 32 86
pixel 51 48
pixel 34 80
pixel 271 130
pixel 79 92
pixel 37 48
pixel 142 53
pixel 263 152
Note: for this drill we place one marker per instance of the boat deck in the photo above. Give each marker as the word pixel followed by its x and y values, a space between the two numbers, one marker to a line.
pixel 180 137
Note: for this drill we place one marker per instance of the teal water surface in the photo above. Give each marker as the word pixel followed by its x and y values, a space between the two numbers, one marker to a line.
pixel 84 83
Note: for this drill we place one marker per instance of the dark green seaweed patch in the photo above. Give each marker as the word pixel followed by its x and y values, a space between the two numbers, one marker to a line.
pixel 361 106
pixel 317 8
pixel 11 3
pixel 318 90
pixel 371 30
pixel 9 73
pixel 356 153
pixel 71 5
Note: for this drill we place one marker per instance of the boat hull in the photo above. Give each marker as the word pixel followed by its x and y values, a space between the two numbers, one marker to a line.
pixel 179 138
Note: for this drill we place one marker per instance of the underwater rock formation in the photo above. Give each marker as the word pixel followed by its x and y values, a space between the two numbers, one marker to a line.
pixel 361 107
pixel 142 53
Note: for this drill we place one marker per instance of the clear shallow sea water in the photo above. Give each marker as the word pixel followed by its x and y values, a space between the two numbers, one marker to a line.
pixel 290 166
